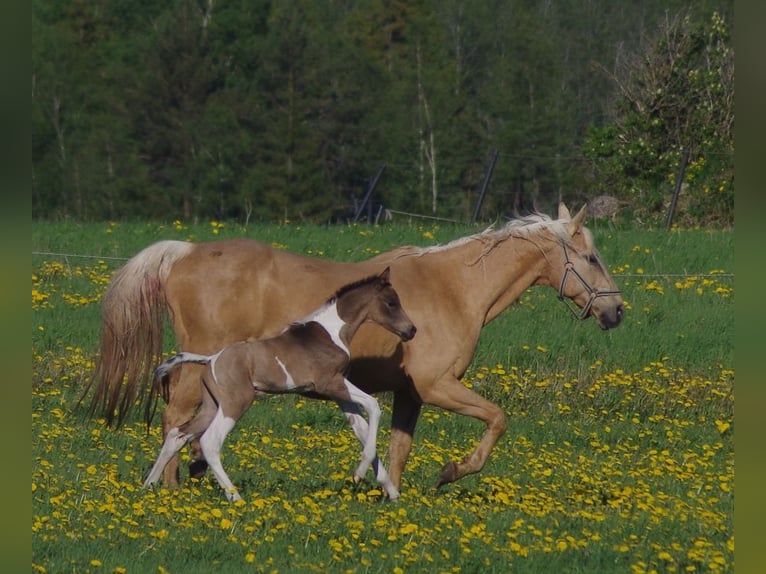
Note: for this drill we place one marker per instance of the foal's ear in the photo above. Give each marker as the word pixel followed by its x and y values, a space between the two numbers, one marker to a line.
pixel 563 211
pixel 576 222
pixel 385 275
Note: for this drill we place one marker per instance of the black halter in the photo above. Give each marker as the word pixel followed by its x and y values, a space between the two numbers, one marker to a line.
pixel 593 294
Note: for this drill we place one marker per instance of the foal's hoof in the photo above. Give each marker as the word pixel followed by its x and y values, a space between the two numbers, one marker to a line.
pixel 448 474
pixel 197 468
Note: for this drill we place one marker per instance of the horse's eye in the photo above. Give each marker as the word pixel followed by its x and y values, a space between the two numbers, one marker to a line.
pixel 592 259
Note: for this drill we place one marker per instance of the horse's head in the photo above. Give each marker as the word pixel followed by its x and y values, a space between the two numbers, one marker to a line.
pixel 582 277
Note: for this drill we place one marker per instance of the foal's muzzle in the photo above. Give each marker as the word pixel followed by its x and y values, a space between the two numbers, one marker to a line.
pixel 408 335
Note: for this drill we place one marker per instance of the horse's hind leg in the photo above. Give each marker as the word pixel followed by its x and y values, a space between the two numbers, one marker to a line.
pixel 185 387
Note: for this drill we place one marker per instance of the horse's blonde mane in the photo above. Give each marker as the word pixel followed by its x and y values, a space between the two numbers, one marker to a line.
pixel 526 227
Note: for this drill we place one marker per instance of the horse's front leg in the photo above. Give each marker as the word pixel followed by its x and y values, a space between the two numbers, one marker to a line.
pixel 451 394
pixel 185 397
pixel 406 411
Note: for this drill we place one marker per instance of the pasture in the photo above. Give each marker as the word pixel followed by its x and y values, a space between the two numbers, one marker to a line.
pixel 619 456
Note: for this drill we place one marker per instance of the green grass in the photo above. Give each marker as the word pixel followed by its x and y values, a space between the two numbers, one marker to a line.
pixel 619 454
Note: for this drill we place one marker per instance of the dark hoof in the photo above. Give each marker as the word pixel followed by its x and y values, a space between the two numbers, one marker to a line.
pixel 448 474
pixel 197 468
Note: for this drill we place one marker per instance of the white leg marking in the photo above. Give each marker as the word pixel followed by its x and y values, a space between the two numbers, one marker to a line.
pixel 361 430
pixel 211 442
pixel 174 442
pixel 367 433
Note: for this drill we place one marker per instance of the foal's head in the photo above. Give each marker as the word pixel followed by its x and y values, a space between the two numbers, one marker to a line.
pixel 374 299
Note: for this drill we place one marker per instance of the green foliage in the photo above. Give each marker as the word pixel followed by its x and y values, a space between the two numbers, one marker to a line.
pixel 679 94
pixel 270 110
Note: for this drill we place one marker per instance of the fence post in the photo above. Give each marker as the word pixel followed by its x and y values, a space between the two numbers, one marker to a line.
pixel 484 185
pixel 677 189
pixel 370 189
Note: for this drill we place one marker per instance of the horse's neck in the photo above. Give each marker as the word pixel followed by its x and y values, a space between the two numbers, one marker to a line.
pixel 350 327
pixel 505 271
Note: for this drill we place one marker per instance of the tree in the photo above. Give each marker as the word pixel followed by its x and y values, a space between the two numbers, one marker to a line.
pixel 677 93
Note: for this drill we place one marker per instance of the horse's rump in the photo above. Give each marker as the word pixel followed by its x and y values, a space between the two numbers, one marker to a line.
pixel 130 345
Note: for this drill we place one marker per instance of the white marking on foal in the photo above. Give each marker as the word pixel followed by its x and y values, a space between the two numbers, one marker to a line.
pixel 211 442
pixel 328 317
pixel 367 433
pixel 289 381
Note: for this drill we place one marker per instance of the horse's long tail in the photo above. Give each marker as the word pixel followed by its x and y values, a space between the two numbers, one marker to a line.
pixel 132 314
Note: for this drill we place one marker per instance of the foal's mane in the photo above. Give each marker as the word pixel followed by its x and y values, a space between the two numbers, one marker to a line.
pixel 339 293
pixel 351 286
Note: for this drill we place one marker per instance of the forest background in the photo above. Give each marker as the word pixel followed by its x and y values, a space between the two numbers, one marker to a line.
pixel 263 111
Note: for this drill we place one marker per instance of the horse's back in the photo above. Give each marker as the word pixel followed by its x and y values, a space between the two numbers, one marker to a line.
pixel 234 289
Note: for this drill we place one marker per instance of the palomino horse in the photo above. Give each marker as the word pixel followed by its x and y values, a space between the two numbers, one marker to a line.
pixel 309 357
pixel 224 291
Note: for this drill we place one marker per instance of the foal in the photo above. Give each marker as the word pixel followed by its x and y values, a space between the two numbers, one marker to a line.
pixel 309 357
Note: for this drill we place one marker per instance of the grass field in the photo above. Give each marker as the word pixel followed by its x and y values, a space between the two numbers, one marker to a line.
pixel 619 455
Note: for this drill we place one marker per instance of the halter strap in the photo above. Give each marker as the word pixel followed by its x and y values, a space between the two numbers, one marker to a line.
pixel 593 294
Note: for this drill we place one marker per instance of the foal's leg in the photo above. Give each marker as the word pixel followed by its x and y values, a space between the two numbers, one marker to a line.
pixel 369 450
pixel 211 442
pixel 230 408
pixel 177 437
pixel 361 430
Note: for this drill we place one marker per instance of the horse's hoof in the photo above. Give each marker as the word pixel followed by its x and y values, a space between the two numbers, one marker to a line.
pixel 448 474
pixel 197 468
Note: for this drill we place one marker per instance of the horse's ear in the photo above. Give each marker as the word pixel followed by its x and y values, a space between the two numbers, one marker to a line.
pixel 385 275
pixel 563 211
pixel 576 222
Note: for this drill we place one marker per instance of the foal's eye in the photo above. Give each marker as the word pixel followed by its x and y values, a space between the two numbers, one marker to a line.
pixel 592 258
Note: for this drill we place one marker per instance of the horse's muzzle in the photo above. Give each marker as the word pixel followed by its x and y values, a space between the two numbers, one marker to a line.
pixel 610 318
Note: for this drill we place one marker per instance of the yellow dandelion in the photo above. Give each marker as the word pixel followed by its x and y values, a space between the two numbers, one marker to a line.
pixel 722 426
pixel 665 556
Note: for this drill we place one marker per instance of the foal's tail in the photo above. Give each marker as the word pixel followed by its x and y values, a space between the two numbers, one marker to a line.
pixel 132 314
pixel 161 372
